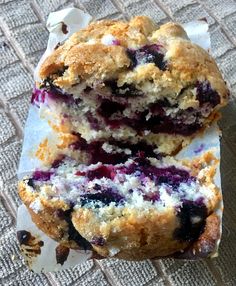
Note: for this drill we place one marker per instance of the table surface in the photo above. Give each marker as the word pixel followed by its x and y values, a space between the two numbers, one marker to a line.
pixel 23 38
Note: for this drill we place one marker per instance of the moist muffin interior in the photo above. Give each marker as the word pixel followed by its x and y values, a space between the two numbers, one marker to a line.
pixel 139 184
pixel 114 110
pixel 131 82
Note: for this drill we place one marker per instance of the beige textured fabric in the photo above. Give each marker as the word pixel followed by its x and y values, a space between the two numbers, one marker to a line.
pixel 22 40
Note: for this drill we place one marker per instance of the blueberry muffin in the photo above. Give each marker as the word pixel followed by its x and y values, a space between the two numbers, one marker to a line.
pixel 143 208
pixel 122 97
pixel 131 82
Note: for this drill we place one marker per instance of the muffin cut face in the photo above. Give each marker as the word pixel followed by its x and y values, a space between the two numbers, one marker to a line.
pixel 117 109
pixel 100 199
pixel 131 82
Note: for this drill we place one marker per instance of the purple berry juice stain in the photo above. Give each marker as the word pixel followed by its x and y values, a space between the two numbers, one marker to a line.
pixel 199 149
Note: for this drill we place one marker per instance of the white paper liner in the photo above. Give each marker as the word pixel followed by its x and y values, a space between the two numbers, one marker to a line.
pixel 209 141
pixel 37 129
pixel 197 32
pixel 46 261
pixel 61 25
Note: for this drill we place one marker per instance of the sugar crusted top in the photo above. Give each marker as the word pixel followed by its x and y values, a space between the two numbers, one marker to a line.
pixel 111 49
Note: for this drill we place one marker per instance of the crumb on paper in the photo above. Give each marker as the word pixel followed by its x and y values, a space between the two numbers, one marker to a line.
pixel 62 253
pixel 30 245
pixel 64 28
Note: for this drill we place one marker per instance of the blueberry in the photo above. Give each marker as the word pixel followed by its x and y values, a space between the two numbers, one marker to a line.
pixel 97 154
pixel 100 172
pixel 171 175
pixel 23 236
pixel 87 89
pixel 49 90
pixel 154 197
pixel 38 96
pixel 97 187
pixel 107 108
pixel 159 122
pixel 147 54
pixel 56 163
pixel 73 234
pixel 192 216
pixel 126 90
pixel 142 161
pixel 132 56
pixel 205 94
pixel 162 180
pixel 105 196
pixel 98 240
pixel 30 182
pixel 93 121
pixel 41 175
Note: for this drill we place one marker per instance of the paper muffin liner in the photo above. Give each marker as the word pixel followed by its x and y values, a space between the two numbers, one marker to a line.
pixel 42 253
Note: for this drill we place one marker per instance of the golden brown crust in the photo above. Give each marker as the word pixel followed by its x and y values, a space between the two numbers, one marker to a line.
pixel 190 63
pixel 171 29
pixel 151 234
pixel 131 234
pixel 47 219
pixel 152 237
pixel 206 245
pixel 85 57
pixel 137 236
pixel 47 152
pixel 127 33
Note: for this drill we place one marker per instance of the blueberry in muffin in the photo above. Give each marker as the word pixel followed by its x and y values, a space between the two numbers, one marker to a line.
pixel 142 208
pixel 131 82
pixel 124 97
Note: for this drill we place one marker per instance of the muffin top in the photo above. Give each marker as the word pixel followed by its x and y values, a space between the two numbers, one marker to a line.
pixel 137 52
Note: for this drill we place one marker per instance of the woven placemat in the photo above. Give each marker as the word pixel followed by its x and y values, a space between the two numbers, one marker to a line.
pixel 23 38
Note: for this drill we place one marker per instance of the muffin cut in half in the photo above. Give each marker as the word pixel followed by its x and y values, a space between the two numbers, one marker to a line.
pixel 50 150
pixel 132 82
pixel 142 208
